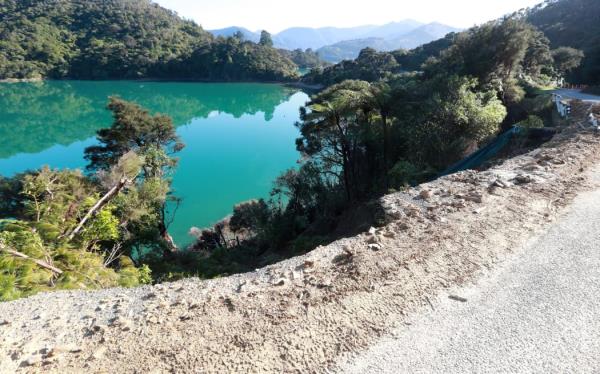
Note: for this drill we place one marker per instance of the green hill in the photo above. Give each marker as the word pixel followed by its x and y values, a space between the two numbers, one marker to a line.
pixel 108 39
pixel 572 23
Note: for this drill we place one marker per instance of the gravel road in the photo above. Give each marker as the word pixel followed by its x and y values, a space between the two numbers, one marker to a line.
pixel 538 313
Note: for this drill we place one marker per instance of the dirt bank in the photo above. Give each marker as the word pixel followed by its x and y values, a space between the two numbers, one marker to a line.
pixel 302 314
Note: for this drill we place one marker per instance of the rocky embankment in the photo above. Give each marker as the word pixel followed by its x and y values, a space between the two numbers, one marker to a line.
pixel 303 314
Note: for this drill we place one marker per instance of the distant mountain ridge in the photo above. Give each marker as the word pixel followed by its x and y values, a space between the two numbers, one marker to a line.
pixel 336 44
pixel 349 49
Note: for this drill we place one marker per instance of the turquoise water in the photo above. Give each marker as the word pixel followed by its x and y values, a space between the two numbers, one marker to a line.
pixel 239 137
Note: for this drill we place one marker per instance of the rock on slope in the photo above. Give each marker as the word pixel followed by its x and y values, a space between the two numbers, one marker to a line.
pixel 301 314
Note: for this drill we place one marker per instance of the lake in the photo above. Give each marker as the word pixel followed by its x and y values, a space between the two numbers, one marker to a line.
pixel 239 137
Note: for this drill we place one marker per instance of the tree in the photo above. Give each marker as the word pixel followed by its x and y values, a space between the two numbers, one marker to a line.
pixel 496 54
pixel 134 129
pixel 566 59
pixel 122 175
pixel 572 23
pixel 370 66
pixel 35 255
pixel 151 137
pixel 451 116
pixel 238 35
pixel 379 97
pixel 265 39
pixel 329 127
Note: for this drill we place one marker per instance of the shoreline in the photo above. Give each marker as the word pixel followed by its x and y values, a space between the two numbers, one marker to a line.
pixel 290 84
pixel 21 80
pixel 183 80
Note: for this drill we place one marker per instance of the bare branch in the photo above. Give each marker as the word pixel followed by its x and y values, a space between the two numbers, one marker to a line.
pixel 40 263
pixel 98 206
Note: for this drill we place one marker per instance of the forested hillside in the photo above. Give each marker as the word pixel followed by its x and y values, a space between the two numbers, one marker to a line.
pixel 375 128
pixel 377 125
pixel 573 23
pixel 104 39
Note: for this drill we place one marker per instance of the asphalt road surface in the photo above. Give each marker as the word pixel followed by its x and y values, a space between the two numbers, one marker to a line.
pixel 537 313
pixel 577 94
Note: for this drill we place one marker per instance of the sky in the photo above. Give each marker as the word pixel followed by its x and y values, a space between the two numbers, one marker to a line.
pixel 276 15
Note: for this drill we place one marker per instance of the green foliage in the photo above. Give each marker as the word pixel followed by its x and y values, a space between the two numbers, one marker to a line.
pixel 369 66
pixel 134 129
pixel 265 39
pixel 532 122
pixel 414 59
pixel 566 59
pixel 81 268
pixel 88 227
pixel 307 59
pixel 230 59
pixel 495 53
pixel 405 174
pixel 572 23
pixel 131 39
pixel 452 116
pixel 104 226
pixel 138 146
pixel 251 215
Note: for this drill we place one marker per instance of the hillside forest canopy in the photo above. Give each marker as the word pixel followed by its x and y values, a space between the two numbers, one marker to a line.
pixel 373 128
pixel 129 39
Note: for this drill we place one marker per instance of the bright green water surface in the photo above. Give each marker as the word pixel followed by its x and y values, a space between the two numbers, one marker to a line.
pixel 239 137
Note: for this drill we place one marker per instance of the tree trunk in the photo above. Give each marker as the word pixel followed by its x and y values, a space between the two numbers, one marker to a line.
pixel 172 247
pixel 346 176
pixel 164 233
pixel 345 158
pixel 386 148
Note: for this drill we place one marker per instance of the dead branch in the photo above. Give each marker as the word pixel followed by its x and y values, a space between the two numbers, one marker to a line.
pixel 40 263
pixel 98 206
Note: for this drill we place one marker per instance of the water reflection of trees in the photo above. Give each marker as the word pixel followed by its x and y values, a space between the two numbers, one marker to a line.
pixel 36 116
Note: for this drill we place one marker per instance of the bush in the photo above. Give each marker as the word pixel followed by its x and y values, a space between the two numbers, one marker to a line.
pixel 532 122
pixel 403 174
